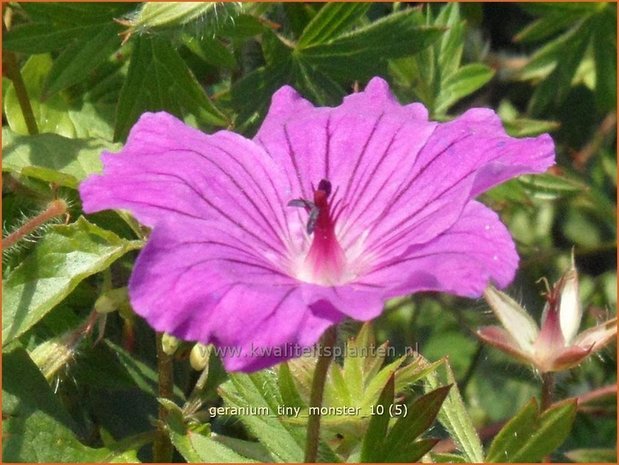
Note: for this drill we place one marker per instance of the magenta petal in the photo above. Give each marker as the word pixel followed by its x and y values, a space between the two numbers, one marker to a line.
pixel 475 250
pixel 168 171
pixel 401 179
pixel 198 289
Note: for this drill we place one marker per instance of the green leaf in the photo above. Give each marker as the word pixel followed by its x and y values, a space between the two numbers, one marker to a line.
pixel 288 391
pixel 372 447
pixel 450 47
pixel 57 25
pixel 399 445
pixel 51 115
pixel 165 15
pixel 554 89
pixel 363 52
pixel 159 79
pixel 78 60
pixel 330 21
pixel 553 428
pixel 530 436
pixel 64 257
pixel 52 158
pixel 32 38
pixel 75 13
pixel 197 448
pixel 411 452
pixel 463 82
pixel 454 416
pixel 605 53
pixel 36 427
pixel 514 434
pixel 212 51
pixel 284 441
pixel 260 390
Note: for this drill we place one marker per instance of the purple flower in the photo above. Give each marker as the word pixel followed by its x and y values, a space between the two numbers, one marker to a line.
pixel 326 213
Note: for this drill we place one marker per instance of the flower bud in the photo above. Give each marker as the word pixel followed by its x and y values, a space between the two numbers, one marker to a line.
pixel 169 344
pixel 199 355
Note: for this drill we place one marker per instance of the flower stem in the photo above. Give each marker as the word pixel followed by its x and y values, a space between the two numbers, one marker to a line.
pixel 548 388
pixel 55 208
pixel 11 70
pixel 318 386
pixel 162 446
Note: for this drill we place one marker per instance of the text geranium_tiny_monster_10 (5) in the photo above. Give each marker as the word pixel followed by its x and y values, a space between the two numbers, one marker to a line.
pixel 323 215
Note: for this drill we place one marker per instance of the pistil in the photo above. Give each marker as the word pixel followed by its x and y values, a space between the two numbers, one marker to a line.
pixel 325 261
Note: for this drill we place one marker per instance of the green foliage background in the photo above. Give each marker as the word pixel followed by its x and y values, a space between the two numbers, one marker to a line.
pixel 90 70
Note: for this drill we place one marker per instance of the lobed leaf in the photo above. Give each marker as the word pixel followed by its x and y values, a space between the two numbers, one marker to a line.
pixel 331 21
pixel 159 79
pixel 529 436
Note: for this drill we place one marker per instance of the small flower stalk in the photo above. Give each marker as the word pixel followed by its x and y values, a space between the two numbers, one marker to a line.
pixel 555 346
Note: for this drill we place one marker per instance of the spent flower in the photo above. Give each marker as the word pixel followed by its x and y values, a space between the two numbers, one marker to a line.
pixel 557 345
pixel 326 213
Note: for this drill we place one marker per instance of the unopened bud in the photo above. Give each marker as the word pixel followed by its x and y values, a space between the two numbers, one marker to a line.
pixel 199 355
pixel 169 344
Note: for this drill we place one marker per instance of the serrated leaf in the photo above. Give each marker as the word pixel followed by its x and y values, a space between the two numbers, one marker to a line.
pixel 33 38
pixel 59 262
pixel 454 416
pixel 330 21
pixel 79 59
pixel 363 52
pixel 463 82
pixel 159 79
pixel 451 44
pixel 164 15
pixel 52 158
pixel 543 28
pixel 284 441
pixel 76 13
pixel 530 436
pixel 555 87
pixel 421 414
pixel 36 428
pixel 259 390
pixel 372 445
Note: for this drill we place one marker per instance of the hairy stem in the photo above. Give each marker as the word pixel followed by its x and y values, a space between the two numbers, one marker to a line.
pixel 548 388
pixel 318 386
pixel 55 208
pixel 162 446
pixel 11 70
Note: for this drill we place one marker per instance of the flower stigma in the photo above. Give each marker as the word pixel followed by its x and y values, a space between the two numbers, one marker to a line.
pixel 325 262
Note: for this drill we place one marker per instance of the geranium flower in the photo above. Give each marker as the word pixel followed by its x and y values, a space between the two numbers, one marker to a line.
pixel 557 345
pixel 264 243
